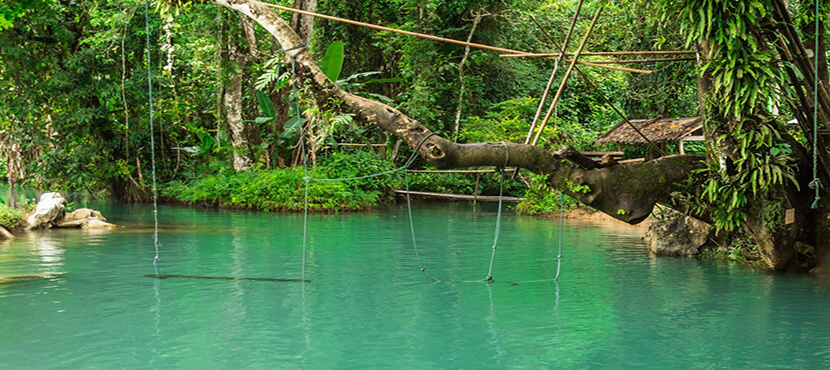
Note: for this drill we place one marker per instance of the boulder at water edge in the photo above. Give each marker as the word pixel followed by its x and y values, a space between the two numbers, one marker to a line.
pixel 50 209
pixel 672 233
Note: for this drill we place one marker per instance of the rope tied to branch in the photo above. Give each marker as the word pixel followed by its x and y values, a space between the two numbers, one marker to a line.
pixel 506 154
pixel 816 183
pixel 152 138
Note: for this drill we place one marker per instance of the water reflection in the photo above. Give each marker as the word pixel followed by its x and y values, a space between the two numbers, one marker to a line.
pixel 49 249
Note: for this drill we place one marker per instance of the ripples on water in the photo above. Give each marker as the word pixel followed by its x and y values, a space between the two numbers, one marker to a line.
pixel 82 300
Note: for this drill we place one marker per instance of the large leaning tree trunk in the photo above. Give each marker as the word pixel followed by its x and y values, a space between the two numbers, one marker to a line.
pixel 626 192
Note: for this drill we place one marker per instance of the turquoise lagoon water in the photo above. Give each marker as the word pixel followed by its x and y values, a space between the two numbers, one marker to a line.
pixel 369 306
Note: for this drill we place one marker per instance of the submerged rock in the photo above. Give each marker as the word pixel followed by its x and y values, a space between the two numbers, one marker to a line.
pixel 50 209
pixel 19 278
pixel 672 233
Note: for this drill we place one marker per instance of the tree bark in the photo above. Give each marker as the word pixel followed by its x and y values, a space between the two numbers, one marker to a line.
pixel 303 24
pixel 238 58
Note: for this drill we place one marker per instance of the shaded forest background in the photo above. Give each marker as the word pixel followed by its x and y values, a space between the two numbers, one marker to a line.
pixel 74 104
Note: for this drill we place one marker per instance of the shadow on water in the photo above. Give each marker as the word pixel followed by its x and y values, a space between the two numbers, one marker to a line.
pixel 23 278
pixel 163 276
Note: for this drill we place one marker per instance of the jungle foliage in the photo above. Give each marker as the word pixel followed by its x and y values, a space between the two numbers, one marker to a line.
pixel 74 110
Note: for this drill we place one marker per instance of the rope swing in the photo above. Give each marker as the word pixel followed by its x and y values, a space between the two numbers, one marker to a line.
pixel 152 138
pixel 816 183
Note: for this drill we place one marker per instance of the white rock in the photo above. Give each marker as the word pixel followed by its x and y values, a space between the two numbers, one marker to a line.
pixel 50 209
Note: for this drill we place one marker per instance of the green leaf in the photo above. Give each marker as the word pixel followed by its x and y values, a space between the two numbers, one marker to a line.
pixel 359 75
pixel 261 120
pixel 207 141
pixel 266 106
pixel 332 62
pixel 295 123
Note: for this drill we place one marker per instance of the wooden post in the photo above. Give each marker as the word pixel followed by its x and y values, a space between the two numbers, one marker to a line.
pixel 475 192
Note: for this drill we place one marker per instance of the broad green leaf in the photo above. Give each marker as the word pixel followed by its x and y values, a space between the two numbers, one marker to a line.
pixel 332 62
pixel 266 106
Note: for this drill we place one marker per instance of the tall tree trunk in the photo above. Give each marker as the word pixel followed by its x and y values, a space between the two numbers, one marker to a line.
pixel 232 102
pixel 238 59
pixel 303 25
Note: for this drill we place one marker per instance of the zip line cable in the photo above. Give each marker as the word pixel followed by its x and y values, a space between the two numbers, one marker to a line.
pixel 152 137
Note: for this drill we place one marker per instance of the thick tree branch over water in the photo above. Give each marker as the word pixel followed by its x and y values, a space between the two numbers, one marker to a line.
pixel 626 192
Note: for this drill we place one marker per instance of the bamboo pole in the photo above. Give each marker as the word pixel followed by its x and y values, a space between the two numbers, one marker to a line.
pixel 599 53
pixel 409 33
pixel 382 28
pixel 567 75
pixel 552 75
pixel 481 198
pixel 630 61
pixel 475 192
pixel 452 171
pixel 605 98
pixel 626 69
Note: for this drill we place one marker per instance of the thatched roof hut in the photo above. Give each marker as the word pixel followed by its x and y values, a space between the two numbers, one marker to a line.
pixel 658 130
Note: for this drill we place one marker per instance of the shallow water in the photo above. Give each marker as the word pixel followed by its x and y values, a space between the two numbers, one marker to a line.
pixel 368 305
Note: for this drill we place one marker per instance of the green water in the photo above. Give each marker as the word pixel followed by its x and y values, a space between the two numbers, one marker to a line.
pixel 368 305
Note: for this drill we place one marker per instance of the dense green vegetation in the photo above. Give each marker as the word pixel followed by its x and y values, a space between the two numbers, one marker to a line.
pixel 75 115
pixel 284 189
pixel 231 129
pixel 11 218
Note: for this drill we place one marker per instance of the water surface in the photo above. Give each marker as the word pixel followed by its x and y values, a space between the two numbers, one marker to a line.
pixel 368 305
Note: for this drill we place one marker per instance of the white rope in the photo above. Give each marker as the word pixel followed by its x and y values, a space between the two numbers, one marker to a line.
pixel 561 229
pixel 489 277
pixel 152 138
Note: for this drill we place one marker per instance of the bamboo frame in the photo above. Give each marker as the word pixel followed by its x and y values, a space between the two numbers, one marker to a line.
pixel 552 75
pixel 454 171
pixel 599 53
pixel 409 33
pixel 626 69
pixel 598 91
pixel 480 198
pixel 651 60
pixel 567 75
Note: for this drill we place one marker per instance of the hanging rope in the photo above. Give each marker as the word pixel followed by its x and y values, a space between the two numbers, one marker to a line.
pixel 152 138
pixel 816 183
pixel 295 106
pixel 308 179
pixel 561 228
pixel 489 277
pixel 412 229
